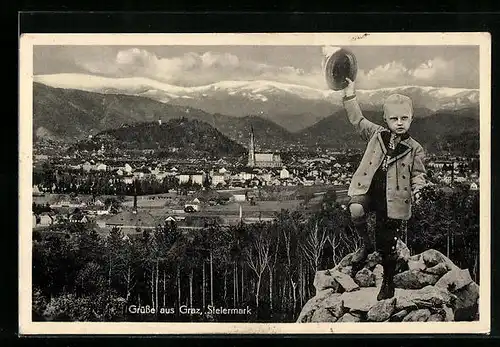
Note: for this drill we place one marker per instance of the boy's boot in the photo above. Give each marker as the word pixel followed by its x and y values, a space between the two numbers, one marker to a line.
pixel 386 243
pixel 387 289
pixel 366 248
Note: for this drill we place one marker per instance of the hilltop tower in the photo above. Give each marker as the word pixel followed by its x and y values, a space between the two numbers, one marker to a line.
pixel 251 149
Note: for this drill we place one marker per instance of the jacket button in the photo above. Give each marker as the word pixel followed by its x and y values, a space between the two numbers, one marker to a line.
pixel 404 176
pixel 364 173
pixel 403 164
pixel 359 184
pixel 406 201
pixel 405 188
pixel 370 163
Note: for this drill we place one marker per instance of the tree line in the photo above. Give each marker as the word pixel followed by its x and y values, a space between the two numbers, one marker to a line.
pixel 269 266
pixel 103 183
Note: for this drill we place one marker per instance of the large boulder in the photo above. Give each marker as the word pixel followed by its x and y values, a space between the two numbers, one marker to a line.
pixel 416 265
pixel 431 258
pixel 365 278
pixel 323 315
pixel 454 280
pixel 426 297
pixel 323 280
pixel 326 299
pixel 466 306
pixel 421 315
pixel 378 273
pixel 398 316
pixel 438 269
pixel 402 256
pixel 322 299
pixel 346 270
pixel 372 260
pixel 402 251
pixel 346 261
pixel 414 279
pixel 344 280
pixel 361 300
pixel 435 317
pixel 349 318
pixel 382 310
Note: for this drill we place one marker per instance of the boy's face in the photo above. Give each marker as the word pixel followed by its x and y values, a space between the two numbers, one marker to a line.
pixel 398 121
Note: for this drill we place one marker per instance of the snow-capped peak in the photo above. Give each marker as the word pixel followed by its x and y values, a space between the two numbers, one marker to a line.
pixel 256 91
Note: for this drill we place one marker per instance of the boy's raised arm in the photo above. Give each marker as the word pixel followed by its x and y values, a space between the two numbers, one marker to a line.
pixel 362 125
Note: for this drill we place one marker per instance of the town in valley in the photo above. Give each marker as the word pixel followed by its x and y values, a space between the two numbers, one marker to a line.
pixel 135 190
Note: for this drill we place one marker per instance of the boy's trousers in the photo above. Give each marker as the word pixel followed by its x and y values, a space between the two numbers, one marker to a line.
pixel 386 229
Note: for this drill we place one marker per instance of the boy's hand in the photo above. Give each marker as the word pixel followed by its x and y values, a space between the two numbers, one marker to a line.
pixel 349 90
pixel 416 198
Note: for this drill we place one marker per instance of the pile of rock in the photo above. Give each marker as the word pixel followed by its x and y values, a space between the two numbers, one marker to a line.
pixel 429 287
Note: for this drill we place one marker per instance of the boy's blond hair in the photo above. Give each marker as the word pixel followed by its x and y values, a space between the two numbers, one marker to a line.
pixel 398 103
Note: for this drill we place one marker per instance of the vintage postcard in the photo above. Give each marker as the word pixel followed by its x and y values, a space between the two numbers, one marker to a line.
pixel 298 183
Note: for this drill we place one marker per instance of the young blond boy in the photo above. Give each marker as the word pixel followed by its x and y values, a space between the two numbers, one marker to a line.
pixel 387 181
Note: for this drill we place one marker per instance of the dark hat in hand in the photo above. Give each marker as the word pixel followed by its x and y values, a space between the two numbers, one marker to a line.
pixel 338 66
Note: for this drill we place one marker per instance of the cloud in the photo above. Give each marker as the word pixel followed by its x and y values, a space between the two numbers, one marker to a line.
pixel 197 69
pixel 433 72
pixel 192 69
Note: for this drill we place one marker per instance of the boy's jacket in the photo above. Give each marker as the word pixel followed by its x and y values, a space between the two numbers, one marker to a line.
pixel 405 170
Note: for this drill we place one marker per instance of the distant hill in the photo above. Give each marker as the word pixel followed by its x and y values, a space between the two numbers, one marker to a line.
pixel 267 134
pixel 191 136
pixel 74 114
pixel 436 131
pixel 70 113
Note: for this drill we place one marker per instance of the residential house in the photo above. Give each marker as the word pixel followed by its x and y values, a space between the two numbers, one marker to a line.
pixel 191 206
pixel 239 197
pixel 128 180
pixel 247 174
pixel 128 169
pixel 101 167
pixel 87 166
pixel 132 220
pixel 218 179
pixel 183 178
pixel 78 218
pixel 98 202
pixel 35 190
pixel 284 174
pixel 44 219
pixel 198 178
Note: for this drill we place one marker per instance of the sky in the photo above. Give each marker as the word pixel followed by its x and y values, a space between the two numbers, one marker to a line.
pixel 378 66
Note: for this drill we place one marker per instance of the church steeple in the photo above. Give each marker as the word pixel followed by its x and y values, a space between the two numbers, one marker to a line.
pixel 251 149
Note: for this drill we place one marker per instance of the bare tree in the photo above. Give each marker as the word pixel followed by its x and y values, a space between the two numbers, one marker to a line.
pixel 313 244
pixel 257 255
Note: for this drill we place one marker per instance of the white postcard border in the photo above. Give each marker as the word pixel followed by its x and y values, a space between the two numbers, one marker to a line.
pixel 27 41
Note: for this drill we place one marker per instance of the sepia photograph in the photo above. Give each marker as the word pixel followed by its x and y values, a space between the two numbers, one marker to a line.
pixel 254 183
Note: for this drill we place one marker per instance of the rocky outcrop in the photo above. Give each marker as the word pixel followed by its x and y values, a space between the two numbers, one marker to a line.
pixel 429 288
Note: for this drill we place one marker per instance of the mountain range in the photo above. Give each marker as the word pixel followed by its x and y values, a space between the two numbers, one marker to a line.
pixel 75 114
pixel 294 107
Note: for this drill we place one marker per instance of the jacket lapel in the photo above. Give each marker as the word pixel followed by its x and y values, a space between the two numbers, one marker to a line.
pixel 400 151
pixel 383 137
